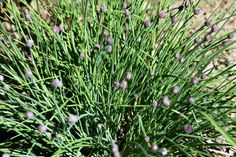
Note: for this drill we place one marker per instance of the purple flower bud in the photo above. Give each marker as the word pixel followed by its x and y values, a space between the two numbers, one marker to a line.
pixel 197 11
pixel 61 26
pixel 110 40
pixel 27 16
pixel 117 84
pixel 5 155
pixel 182 60
pixel 187 128
pixel 108 48
pixel 187 3
pixel 123 85
pixel 152 73
pixel 174 19
pixel 1 78
pixel 154 148
pixel 176 89
pixel 154 103
pixel 103 8
pixel 72 119
pixel 126 4
pixel 29 43
pixel 29 115
pixel 204 76
pixel 127 13
pixel 230 36
pixel 128 76
pixel 115 149
pixel 147 23
pixel 208 22
pixel 42 128
pixel 195 80
pixel 214 28
pixel 56 29
pixel 177 55
pixel 57 83
pixel 97 46
pixel 208 38
pixel 166 101
pixel 191 100
pixel 163 151
pixel 28 74
pixel 82 55
pixel 197 40
pixel 106 33
pixel 147 139
pixel 161 14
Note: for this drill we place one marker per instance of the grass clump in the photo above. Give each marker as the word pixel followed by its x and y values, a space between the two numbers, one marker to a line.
pixel 121 78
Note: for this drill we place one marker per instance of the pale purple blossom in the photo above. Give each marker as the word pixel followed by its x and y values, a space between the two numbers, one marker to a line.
pixel 154 103
pixel 27 16
pixel 61 26
pixel 187 128
pixel 117 84
pixel 57 83
pixel 195 80
pixel 1 78
pixel 214 28
pixel 197 40
pixel 123 85
pixel 163 151
pixel 29 43
pixel 5 155
pixel 197 11
pixel 128 76
pixel 106 33
pixel 108 48
pixel 187 3
pixel 191 100
pixel 230 36
pixel 72 119
pixel 103 8
pixel 97 46
pixel 176 89
pixel 42 128
pixel 161 14
pixel 174 19
pixel 208 37
pixel 127 13
pixel 152 73
pixel 29 74
pixel 82 55
pixel 177 55
pixel 29 115
pixel 147 23
pixel 166 101
pixel 56 29
pixel 110 40
pixel 208 22
pixel 147 139
pixel 115 149
pixel 154 148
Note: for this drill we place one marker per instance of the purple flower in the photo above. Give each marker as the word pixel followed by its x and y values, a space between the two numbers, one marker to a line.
pixel 161 14
pixel 82 55
pixel 166 101
pixel 154 148
pixel 97 46
pixel 29 115
pixel 197 11
pixel 106 33
pixel 176 89
pixel 230 36
pixel 103 8
pixel 123 85
pixel 115 149
pixel 56 29
pixel 177 55
pixel 197 40
pixel 214 28
pixel 27 16
pixel 195 80
pixel 1 78
pixel 5 155
pixel 110 40
pixel 187 3
pixel 28 74
pixel 108 48
pixel 208 38
pixel 163 151
pixel 57 83
pixel 147 139
pixel 128 76
pixel 42 128
pixel 58 136
pixel 191 100
pixel 152 73
pixel 126 4
pixel 147 23
pixel 187 128
pixel 174 19
pixel 61 26
pixel 72 119
pixel 208 22
pixel 154 103
pixel 29 43
pixel 182 60
pixel 127 13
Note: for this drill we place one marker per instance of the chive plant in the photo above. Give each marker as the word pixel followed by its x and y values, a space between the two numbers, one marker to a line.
pixel 121 78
